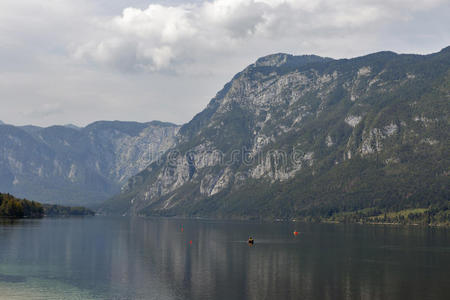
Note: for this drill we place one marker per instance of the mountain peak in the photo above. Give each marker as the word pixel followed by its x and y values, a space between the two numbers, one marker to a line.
pixel 280 59
pixel 72 126
pixel 446 49
pixel 272 60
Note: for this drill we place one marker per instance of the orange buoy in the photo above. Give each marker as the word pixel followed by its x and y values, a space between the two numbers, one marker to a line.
pixel 296 232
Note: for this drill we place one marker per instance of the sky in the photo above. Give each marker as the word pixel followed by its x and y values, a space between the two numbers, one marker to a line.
pixel 65 61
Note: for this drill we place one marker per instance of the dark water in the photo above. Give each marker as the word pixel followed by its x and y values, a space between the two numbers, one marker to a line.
pixel 122 258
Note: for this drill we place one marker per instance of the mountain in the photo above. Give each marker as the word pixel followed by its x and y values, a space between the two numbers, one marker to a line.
pixel 72 126
pixel 78 166
pixel 305 137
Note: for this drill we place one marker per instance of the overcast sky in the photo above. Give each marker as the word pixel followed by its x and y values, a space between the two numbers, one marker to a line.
pixel 67 61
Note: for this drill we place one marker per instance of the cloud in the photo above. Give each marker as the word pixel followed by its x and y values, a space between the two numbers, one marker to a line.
pixel 44 110
pixel 65 61
pixel 162 37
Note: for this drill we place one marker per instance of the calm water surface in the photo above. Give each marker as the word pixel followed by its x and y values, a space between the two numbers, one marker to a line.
pixel 137 258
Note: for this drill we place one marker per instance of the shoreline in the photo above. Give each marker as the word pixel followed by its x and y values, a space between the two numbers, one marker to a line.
pixel 272 220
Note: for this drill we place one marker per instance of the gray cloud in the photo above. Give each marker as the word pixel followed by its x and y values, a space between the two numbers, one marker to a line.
pixel 79 61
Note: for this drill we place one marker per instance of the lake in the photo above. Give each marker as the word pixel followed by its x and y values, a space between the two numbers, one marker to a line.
pixel 153 258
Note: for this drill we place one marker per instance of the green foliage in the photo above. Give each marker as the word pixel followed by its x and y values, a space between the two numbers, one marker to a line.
pixel 18 208
pixel 12 207
pixel 57 210
pixel 433 215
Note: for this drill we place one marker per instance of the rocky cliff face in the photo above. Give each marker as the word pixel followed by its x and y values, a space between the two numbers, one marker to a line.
pixel 70 165
pixel 286 123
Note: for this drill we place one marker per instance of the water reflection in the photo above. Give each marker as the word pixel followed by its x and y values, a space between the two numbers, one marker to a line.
pixel 153 259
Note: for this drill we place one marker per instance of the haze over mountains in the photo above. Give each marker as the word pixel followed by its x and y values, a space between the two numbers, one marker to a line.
pixel 78 166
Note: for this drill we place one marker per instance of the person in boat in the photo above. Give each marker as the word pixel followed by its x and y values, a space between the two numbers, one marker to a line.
pixel 250 241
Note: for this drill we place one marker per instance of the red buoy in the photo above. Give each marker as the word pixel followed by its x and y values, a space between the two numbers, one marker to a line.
pixel 296 232
pixel 190 242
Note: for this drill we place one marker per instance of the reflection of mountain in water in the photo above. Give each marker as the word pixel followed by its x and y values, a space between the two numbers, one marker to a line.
pixel 151 258
pixel 330 263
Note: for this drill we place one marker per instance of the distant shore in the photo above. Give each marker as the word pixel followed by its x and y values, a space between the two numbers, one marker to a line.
pixel 12 207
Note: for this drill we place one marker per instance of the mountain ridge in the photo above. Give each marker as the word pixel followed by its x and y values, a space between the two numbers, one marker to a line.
pixel 65 165
pixel 366 116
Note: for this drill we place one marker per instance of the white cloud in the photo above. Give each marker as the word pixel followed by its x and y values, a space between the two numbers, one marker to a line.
pixel 65 61
pixel 164 37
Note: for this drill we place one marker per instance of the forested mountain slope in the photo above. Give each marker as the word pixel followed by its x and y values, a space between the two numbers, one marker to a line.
pixel 305 136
